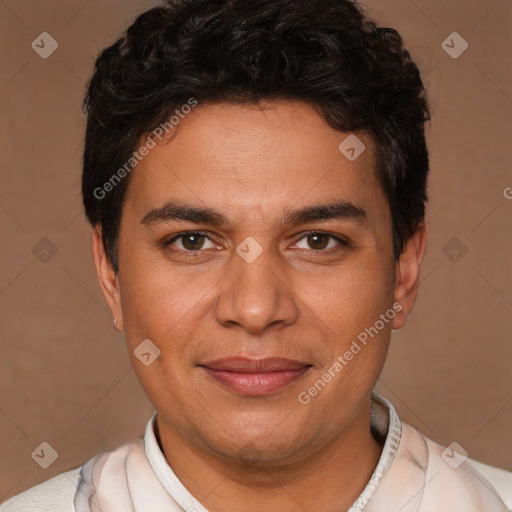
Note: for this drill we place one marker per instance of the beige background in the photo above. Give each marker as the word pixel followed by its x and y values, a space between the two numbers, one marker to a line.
pixel 65 376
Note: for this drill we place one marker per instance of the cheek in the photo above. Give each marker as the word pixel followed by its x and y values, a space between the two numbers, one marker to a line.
pixel 155 300
pixel 351 306
pixel 352 297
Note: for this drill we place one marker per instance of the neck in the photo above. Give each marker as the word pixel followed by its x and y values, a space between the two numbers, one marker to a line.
pixel 338 473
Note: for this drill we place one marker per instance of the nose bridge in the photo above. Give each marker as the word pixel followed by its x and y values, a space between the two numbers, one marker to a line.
pixel 253 295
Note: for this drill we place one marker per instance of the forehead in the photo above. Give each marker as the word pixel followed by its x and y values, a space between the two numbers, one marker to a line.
pixel 232 157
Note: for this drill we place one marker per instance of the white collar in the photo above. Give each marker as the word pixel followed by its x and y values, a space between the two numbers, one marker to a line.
pixel 385 424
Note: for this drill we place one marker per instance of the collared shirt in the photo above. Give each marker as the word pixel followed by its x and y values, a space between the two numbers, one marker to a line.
pixel 385 424
pixel 413 474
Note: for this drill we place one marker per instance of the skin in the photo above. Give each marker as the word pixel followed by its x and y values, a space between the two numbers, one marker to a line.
pixel 302 298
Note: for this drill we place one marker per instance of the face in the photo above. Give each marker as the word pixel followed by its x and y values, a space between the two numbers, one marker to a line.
pixel 278 258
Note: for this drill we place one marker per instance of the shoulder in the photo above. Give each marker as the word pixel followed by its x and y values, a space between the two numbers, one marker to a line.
pixel 500 479
pixel 56 494
pixel 452 481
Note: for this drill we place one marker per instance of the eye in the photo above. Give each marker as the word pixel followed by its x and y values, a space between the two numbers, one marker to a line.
pixel 320 242
pixel 190 241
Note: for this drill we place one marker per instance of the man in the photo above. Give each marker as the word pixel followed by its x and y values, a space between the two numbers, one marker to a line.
pixel 256 176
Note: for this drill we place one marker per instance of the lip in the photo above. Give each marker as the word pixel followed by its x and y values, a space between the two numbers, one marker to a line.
pixel 255 377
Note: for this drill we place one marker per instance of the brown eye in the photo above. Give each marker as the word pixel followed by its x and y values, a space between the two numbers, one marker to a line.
pixel 318 241
pixel 193 242
pixel 190 242
pixel 321 242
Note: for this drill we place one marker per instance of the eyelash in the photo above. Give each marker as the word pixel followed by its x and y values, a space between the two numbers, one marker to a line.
pixel 167 243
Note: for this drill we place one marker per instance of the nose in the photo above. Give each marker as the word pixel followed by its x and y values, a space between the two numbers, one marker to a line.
pixel 256 296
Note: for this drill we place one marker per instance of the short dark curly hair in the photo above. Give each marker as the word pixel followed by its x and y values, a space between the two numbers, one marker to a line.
pixel 327 53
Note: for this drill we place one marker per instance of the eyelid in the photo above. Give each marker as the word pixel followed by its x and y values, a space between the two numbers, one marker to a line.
pixel 168 241
pixel 339 238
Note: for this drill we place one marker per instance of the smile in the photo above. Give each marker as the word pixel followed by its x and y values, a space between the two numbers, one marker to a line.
pixel 255 377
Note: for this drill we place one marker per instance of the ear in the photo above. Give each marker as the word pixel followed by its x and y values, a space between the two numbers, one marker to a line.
pixel 407 275
pixel 109 281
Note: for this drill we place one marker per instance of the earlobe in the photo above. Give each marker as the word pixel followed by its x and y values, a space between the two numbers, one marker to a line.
pixel 407 275
pixel 109 281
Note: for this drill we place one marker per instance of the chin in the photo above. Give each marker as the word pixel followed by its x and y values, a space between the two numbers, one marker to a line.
pixel 257 454
pixel 258 447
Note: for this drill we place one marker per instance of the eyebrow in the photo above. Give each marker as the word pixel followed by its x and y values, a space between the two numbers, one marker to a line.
pixel 176 210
